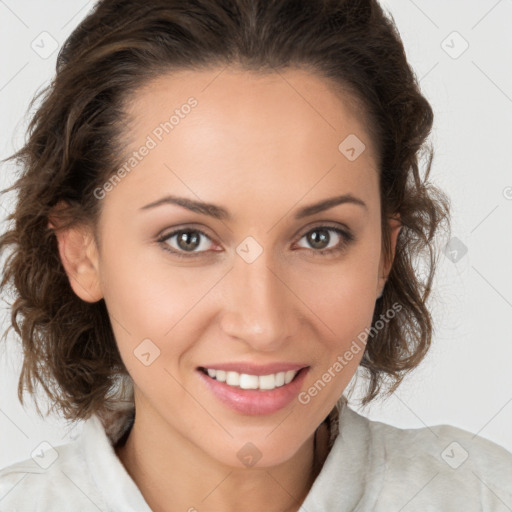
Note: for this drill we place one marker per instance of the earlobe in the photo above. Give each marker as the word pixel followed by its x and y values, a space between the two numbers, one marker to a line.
pixel 79 256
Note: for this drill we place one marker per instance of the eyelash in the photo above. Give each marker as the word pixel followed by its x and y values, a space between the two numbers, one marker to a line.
pixel 347 239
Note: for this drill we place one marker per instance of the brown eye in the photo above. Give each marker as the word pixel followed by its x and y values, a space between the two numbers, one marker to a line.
pixel 327 239
pixel 188 240
pixel 183 241
pixel 319 238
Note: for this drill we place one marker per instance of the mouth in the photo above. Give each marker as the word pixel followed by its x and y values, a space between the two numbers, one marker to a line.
pixel 266 382
pixel 257 392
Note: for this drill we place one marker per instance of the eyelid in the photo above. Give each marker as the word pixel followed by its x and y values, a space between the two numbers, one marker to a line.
pixel 164 236
pixel 345 233
pixel 325 224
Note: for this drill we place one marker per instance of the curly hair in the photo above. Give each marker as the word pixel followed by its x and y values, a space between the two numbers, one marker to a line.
pixel 75 142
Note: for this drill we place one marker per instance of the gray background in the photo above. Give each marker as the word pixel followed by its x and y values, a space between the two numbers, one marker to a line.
pixel 466 379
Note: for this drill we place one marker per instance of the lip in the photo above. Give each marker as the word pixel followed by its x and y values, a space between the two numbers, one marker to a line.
pixel 253 401
pixel 255 369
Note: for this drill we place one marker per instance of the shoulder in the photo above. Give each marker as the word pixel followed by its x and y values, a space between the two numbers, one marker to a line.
pixel 439 467
pixel 51 480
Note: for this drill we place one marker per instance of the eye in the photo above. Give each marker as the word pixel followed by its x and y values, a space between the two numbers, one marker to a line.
pixel 190 242
pixel 183 241
pixel 322 242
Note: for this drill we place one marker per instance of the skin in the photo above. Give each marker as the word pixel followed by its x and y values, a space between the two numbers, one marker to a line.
pixel 261 146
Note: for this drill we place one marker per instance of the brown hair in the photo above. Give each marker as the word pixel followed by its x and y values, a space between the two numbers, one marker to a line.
pixel 75 142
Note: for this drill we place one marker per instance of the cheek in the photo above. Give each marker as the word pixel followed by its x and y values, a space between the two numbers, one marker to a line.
pixel 343 295
pixel 343 299
pixel 144 292
pixel 148 299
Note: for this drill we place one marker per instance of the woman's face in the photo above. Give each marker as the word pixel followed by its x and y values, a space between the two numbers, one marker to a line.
pixel 243 286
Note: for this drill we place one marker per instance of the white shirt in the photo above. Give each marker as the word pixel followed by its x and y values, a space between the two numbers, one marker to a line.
pixel 372 466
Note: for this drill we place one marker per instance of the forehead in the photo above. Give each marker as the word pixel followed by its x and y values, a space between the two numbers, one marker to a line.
pixel 247 132
pixel 299 99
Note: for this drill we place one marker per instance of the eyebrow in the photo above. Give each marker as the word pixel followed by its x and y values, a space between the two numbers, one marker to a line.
pixel 218 212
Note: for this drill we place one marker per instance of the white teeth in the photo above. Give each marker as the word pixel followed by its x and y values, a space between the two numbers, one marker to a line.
pixel 280 379
pixel 246 381
pixel 249 381
pixel 267 381
pixel 288 376
pixel 233 378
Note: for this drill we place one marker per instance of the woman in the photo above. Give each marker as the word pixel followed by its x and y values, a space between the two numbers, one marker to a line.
pixel 217 224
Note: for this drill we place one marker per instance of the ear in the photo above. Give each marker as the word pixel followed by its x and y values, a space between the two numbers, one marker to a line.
pixel 385 264
pixel 80 258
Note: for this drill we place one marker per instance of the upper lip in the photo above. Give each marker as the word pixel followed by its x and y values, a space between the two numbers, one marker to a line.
pixel 255 369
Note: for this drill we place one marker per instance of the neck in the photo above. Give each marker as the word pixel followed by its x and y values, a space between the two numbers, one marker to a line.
pixel 172 474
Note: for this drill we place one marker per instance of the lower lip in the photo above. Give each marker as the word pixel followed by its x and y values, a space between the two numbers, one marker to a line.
pixel 253 401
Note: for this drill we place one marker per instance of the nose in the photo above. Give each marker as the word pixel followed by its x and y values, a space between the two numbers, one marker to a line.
pixel 259 308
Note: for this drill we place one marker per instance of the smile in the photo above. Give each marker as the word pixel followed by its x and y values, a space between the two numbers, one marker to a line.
pixel 251 394
pixel 247 381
